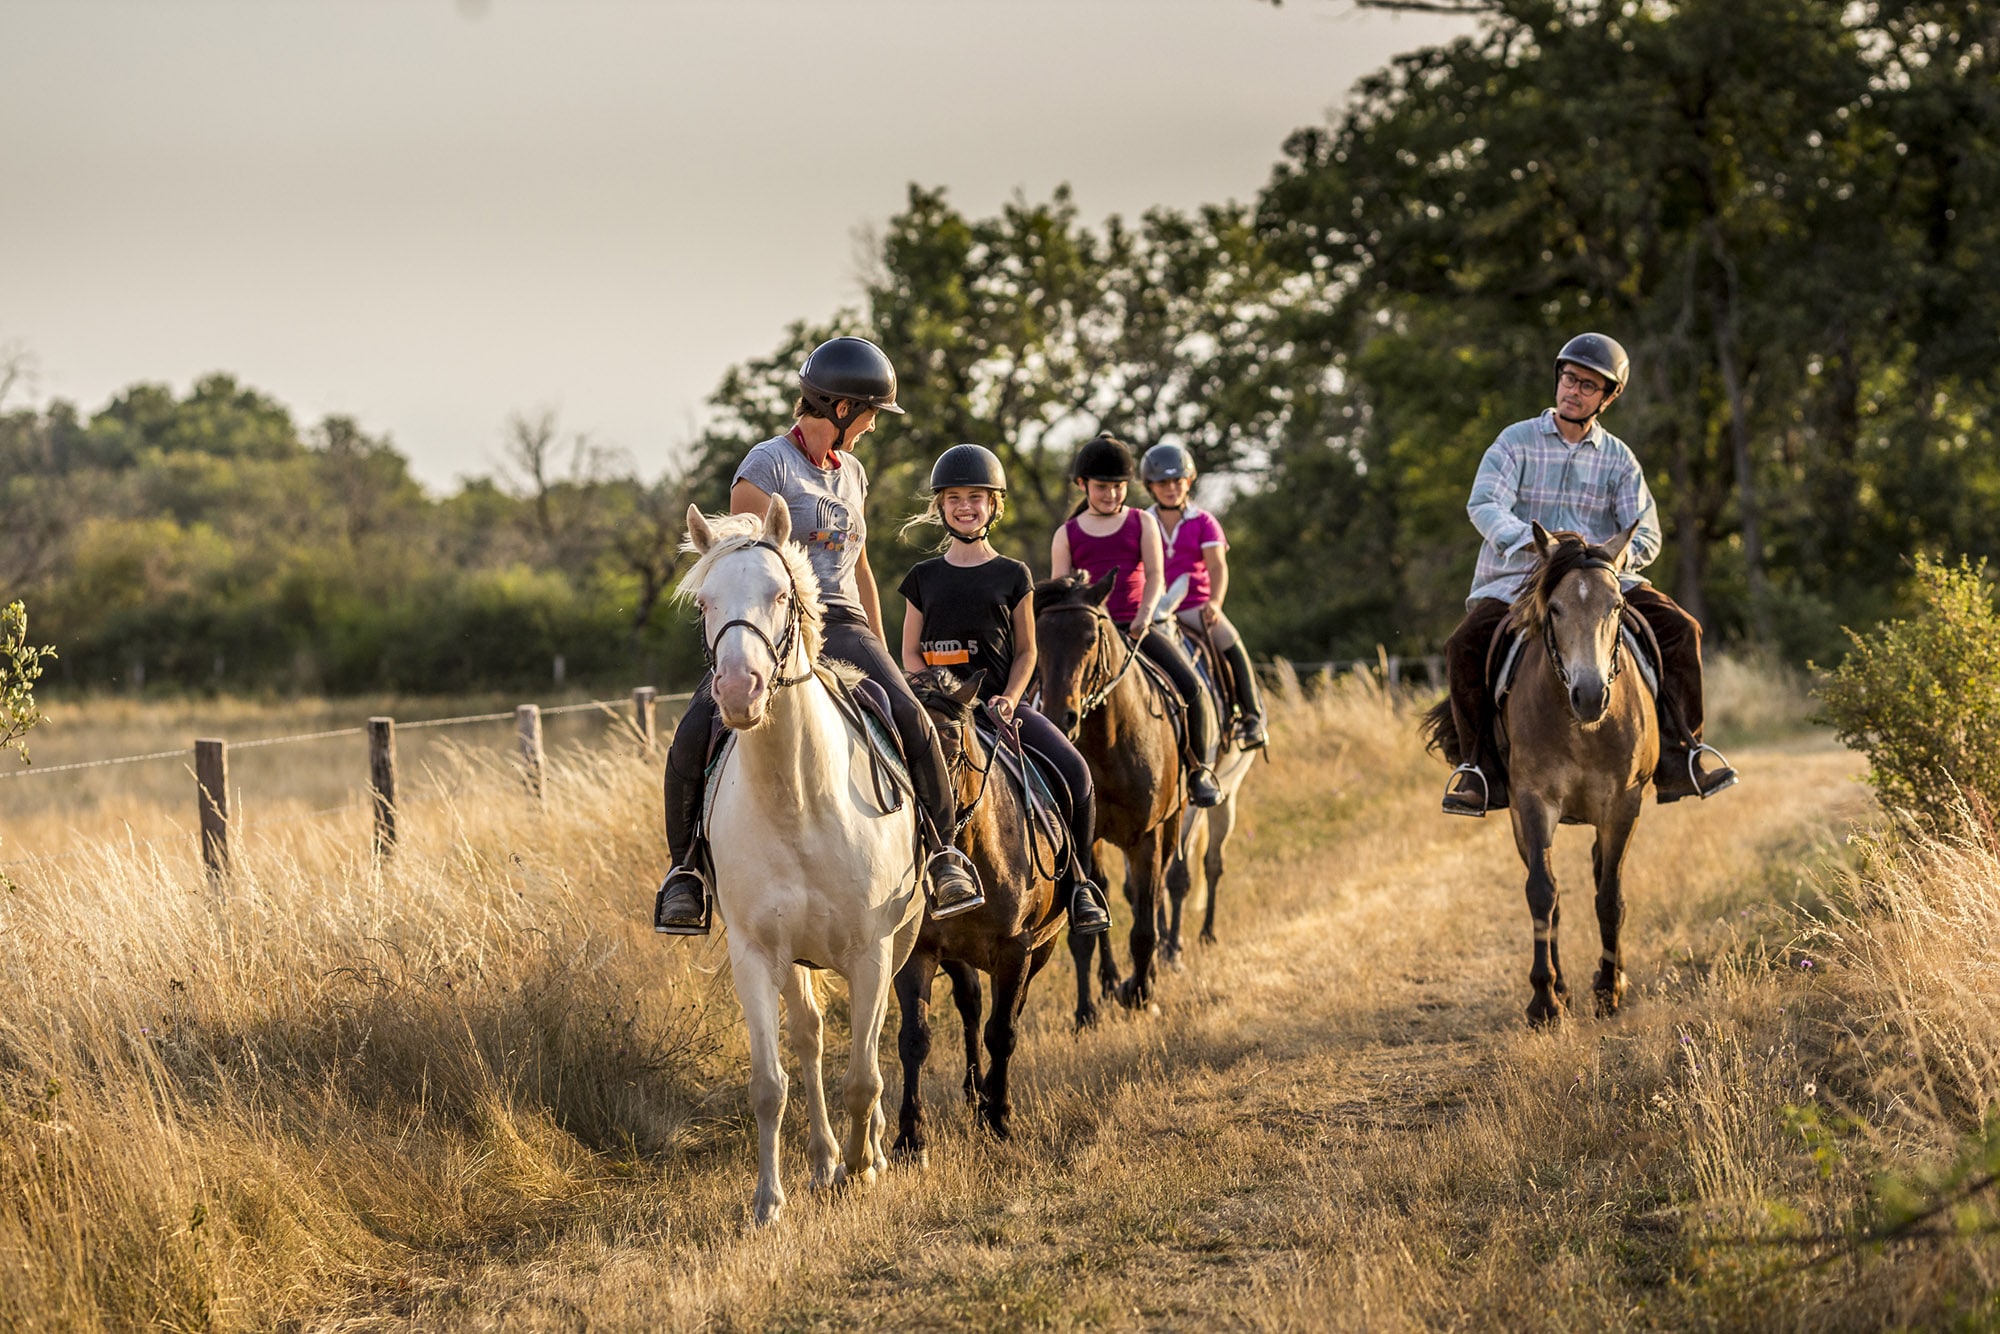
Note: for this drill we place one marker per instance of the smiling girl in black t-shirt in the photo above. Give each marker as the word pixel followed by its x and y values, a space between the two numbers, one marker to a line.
pixel 973 610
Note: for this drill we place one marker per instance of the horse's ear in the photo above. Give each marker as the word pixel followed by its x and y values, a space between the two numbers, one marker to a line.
pixel 968 688
pixel 1614 550
pixel 1100 592
pixel 1544 544
pixel 699 532
pixel 778 521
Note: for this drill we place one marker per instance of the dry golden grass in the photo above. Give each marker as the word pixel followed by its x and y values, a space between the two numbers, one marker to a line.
pixel 470 1090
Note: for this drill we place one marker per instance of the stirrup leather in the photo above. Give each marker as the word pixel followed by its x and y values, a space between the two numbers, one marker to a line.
pixel 978 898
pixel 1485 792
pixel 1695 752
pixel 707 903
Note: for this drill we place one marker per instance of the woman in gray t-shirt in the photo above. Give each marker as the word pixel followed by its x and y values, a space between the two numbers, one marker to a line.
pixel 844 384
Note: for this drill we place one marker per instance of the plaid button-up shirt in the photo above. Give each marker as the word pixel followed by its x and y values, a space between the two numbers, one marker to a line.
pixel 1532 475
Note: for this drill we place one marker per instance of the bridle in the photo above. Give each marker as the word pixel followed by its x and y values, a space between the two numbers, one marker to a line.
pixel 1617 642
pixel 781 651
pixel 1096 696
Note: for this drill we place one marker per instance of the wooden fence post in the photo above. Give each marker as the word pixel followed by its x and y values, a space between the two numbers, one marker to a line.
pixel 211 776
pixel 382 777
pixel 642 716
pixel 528 719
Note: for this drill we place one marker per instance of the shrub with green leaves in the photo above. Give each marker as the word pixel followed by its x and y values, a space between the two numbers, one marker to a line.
pixel 20 668
pixel 1921 698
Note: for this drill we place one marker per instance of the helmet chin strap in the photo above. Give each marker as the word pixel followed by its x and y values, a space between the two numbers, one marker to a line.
pixel 979 536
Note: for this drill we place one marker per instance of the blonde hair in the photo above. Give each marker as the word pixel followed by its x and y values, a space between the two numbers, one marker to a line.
pixel 933 517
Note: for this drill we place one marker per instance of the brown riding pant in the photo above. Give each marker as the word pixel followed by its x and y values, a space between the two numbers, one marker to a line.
pixel 1472 703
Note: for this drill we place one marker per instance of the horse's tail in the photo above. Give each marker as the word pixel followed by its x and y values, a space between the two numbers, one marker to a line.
pixel 1440 729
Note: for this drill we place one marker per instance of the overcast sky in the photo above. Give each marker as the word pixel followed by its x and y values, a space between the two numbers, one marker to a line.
pixel 429 213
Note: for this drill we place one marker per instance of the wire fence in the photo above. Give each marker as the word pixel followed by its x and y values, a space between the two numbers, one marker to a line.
pixel 212 790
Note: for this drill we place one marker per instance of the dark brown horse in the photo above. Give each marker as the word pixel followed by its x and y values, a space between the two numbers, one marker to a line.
pixel 1580 741
pixel 1010 937
pixel 1094 687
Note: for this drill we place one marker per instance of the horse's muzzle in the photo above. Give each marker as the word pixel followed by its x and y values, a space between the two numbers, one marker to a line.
pixel 741 697
pixel 1590 702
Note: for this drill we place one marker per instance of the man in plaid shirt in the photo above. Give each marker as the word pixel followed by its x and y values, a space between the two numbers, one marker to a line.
pixel 1565 471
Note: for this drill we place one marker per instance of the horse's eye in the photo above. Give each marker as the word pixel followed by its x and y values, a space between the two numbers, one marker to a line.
pixel 1555 611
pixel 784 594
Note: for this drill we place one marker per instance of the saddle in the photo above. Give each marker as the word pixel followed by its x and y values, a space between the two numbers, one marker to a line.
pixel 1039 782
pixel 1503 655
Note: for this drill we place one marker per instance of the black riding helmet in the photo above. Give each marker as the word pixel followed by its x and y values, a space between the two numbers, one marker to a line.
pixel 850 368
pixel 1594 351
pixel 1103 458
pixel 968 465
pixel 1166 463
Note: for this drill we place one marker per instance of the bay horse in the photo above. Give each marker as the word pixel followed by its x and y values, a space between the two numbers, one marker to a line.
pixel 1094 688
pixel 1010 937
pixel 1580 739
pixel 810 870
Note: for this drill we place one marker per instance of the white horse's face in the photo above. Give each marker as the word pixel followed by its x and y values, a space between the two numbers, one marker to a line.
pixel 748 586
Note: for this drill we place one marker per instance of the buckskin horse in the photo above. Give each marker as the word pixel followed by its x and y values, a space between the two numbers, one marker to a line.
pixel 1010 937
pixel 1580 740
pixel 815 863
pixel 1095 687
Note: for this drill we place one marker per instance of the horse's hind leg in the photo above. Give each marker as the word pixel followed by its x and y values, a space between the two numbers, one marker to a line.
pixel 1010 990
pixel 1607 860
pixel 1147 873
pixel 966 996
pixel 1179 880
pixel 805 1030
pixel 913 1044
pixel 757 988
pixel 868 1003
pixel 1534 839
pixel 1221 824
pixel 1082 949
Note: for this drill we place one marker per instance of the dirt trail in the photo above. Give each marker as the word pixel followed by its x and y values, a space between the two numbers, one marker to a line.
pixel 1206 1163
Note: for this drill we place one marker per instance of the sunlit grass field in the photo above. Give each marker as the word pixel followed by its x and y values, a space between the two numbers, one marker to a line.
pixel 467 1088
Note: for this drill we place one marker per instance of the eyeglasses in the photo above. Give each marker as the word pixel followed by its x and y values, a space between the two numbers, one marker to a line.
pixel 1571 380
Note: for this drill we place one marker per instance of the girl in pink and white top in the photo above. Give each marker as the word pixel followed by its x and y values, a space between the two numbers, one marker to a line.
pixel 1104 535
pixel 1195 547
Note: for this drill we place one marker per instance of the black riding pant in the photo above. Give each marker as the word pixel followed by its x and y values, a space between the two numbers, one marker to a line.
pixel 1164 649
pixel 848 638
pixel 1046 739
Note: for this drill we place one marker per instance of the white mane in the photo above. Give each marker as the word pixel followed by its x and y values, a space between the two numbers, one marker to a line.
pixel 740 532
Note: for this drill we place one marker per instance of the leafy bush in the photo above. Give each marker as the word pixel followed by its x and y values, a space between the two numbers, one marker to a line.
pixel 20 668
pixel 1921 698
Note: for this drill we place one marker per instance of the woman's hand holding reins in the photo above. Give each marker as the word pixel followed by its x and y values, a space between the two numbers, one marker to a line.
pixel 1001 707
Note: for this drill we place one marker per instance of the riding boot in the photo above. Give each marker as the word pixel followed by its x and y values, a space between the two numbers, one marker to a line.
pixel 1680 773
pixel 1165 650
pixel 1249 700
pixel 1477 787
pixel 1087 913
pixel 681 907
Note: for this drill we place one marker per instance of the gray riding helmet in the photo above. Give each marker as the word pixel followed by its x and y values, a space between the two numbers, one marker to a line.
pixel 1599 353
pixel 1165 463
pixel 968 465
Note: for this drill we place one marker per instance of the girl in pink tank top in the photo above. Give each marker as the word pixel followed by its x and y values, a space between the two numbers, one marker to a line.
pixel 1123 551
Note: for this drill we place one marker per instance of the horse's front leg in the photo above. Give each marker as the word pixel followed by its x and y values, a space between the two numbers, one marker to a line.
pixel 1010 990
pixel 1607 859
pixel 913 1044
pixel 966 996
pixel 868 1003
pixel 1534 838
pixel 1147 872
pixel 1179 881
pixel 804 1027
pixel 1082 949
pixel 757 988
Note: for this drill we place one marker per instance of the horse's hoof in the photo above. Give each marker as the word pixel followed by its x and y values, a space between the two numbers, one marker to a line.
pixel 764 1212
pixel 1543 1013
pixel 1208 938
pixel 1086 1019
pixel 1131 995
pixel 998 1125
pixel 906 1154
pixel 1607 1004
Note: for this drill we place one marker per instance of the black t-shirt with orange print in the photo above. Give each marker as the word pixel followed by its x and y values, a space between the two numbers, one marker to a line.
pixel 969 615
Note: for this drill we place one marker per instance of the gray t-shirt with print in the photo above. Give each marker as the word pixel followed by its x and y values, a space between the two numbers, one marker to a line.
pixel 828 511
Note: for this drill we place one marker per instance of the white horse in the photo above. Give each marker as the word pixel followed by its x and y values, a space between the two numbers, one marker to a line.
pixel 810 870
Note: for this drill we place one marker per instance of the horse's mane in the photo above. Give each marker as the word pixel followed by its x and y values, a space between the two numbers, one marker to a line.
pixel 1570 554
pixel 737 532
pixel 934 688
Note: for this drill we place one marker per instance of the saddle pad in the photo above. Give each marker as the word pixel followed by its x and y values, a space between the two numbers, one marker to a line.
pixel 711 779
pixel 1503 679
pixel 872 719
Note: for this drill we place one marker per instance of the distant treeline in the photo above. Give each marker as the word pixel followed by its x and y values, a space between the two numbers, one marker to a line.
pixel 1789 212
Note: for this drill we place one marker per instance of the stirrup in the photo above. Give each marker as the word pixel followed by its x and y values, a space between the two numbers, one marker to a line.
pixel 1250 732
pixel 707 903
pixel 1694 776
pixel 1195 775
pixel 977 899
pixel 1457 805
pixel 1085 891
